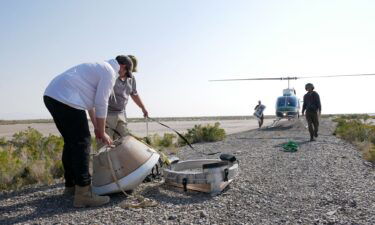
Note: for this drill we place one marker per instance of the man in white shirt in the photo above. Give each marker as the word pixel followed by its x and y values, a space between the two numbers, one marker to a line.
pixel 83 87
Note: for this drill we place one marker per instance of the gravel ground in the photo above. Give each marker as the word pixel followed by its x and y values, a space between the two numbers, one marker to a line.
pixel 324 182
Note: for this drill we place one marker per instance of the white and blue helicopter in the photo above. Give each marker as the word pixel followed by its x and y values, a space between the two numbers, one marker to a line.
pixel 288 105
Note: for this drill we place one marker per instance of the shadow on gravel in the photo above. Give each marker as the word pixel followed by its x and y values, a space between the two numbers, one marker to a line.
pixel 281 128
pixel 179 197
pixel 25 191
pixel 271 138
pixel 41 207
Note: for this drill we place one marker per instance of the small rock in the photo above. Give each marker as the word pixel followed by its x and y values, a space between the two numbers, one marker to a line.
pixel 331 213
pixel 203 214
pixel 172 217
pixel 353 204
pixel 368 163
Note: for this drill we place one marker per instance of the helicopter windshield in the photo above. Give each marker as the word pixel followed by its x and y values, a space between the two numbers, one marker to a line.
pixel 286 101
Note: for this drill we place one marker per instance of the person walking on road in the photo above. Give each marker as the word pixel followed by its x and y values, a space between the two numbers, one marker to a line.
pixel 313 108
pixel 259 113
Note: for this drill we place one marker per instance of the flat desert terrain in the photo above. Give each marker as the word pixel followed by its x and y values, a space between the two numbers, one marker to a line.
pixel 139 128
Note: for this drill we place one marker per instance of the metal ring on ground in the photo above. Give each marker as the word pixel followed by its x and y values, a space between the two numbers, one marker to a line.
pixel 205 175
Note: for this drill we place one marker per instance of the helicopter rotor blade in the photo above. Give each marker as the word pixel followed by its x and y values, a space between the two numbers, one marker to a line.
pixel 295 78
pixel 342 75
pixel 264 78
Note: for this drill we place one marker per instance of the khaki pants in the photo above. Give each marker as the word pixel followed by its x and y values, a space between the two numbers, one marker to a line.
pixel 116 127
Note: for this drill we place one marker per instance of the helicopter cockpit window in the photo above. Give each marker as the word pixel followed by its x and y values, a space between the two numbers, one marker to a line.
pixel 291 102
pixel 287 101
pixel 281 101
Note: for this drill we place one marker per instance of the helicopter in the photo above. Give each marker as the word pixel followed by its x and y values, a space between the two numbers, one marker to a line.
pixel 288 105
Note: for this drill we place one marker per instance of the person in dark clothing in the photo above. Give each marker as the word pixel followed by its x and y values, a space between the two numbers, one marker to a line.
pixel 313 108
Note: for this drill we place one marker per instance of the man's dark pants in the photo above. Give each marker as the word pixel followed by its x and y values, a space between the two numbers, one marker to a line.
pixel 260 121
pixel 73 125
pixel 313 123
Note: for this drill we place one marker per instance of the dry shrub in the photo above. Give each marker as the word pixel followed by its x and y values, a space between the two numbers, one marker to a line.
pixel 56 169
pixel 167 142
pixel 10 166
pixel 30 158
pixel 355 130
pixel 3 141
pixel 38 172
pixel 207 133
pixel 368 151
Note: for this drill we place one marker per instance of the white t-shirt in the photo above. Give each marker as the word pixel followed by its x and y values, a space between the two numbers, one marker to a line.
pixel 85 86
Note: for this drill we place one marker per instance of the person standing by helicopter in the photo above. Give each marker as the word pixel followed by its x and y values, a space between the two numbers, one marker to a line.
pixel 259 113
pixel 313 108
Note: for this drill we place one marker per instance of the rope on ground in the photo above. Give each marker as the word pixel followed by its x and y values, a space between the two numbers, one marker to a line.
pixel 291 146
pixel 137 201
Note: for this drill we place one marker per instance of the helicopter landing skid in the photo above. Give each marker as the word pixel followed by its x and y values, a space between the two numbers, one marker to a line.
pixel 275 122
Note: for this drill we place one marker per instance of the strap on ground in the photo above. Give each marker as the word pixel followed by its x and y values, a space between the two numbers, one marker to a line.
pixel 138 201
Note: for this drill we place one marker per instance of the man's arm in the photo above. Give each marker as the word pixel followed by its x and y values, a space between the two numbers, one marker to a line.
pixel 92 117
pixel 99 127
pixel 100 131
pixel 139 103
pixel 304 105
pixel 93 121
pixel 318 103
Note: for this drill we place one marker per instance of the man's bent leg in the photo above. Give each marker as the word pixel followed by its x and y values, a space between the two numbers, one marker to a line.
pixel 80 142
pixel 261 121
pixel 122 126
pixel 57 110
pixel 316 124
pixel 80 161
pixel 77 140
pixel 309 118
pixel 83 195
pixel 68 170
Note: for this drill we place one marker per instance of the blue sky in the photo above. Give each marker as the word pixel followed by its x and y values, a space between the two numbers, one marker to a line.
pixel 183 44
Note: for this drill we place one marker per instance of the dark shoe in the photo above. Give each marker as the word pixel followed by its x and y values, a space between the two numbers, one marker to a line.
pixel 312 139
pixel 316 134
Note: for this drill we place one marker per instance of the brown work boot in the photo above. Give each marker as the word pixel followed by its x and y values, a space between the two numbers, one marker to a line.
pixel 69 191
pixel 84 197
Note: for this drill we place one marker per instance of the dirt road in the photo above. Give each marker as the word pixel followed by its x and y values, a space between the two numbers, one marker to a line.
pixel 230 126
